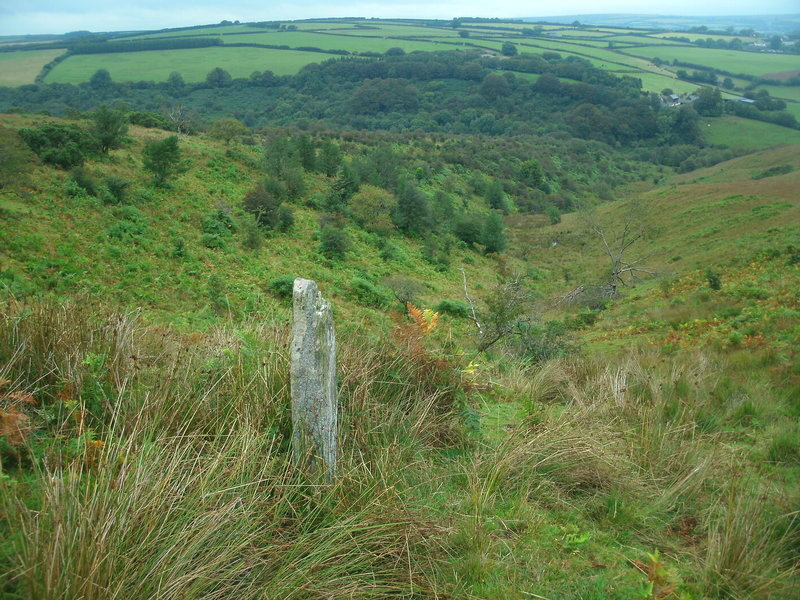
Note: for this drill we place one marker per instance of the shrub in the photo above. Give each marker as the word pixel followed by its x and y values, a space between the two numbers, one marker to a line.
pixel 179 248
pixel 552 213
pixel 493 235
pixel 368 294
pixel 131 225
pixel 161 158
pixel 84 180
pixel 390 251
pixel 541 342
pixel 265 203
pixel 295 184
pixel 372 209
pixel 454 308
pixel 64 146
pixel 404 289
pixel 468 228
pixel 217 227
pixel 282 285
pixel 436 251
pixel 115 190
pixel 334 243
pixel 253 239
pixel 713 280
pixel 109 126
pixel 17 159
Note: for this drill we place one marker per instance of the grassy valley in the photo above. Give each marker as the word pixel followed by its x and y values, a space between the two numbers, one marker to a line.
pixel 568 320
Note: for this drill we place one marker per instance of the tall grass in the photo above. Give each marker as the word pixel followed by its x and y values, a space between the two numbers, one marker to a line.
pixel 185 488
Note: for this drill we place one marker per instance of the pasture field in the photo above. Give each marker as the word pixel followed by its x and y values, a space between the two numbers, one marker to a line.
pixel 192 64
pixel 652 82
pixel 399 30
pixel 782 91
pixel 639 38
pixel 582 33
pixel 793 108
pixel 336 42
pixel 701 36
pixel 752 63
pixel 746 133
pixel 580 43
pixel 206 31
pixel 22 67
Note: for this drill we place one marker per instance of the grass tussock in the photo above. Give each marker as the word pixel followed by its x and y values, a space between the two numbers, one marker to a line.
pixel 151 463
pixel 164 472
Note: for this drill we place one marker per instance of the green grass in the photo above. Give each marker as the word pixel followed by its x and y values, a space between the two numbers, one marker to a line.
pixel 701 36
pixel 660 460
pixel 396 30
pixel 21 67
pixel 603 58
pixel 747 133
pixel 193 64
pixel 752 63
pixel 201 31
pixel 786 92
pixel 655 83
pixel 640 38
pixel 334 42
pixel 582 33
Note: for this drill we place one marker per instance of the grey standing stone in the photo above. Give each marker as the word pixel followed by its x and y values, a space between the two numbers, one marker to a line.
pixel 314 398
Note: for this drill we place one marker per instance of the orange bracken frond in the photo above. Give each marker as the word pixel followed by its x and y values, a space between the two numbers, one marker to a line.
pixel 426 319
pixel 23 397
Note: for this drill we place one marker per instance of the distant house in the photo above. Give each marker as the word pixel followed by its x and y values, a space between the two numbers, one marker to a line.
pixel 678 99
pixel 740 99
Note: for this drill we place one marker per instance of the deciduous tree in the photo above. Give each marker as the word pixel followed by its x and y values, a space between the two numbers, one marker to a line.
pixel 109 126
pixel 161 158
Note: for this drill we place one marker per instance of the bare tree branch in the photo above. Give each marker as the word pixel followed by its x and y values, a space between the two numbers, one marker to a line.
pixel 471 303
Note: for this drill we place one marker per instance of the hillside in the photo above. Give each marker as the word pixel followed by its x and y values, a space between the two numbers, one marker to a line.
pixel 640 446
pixel 567 309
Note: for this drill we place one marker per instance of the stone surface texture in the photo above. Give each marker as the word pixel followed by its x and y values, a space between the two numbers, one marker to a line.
pixel 313 378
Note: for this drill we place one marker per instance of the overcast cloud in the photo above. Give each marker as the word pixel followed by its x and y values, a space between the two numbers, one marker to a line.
pixel 61 16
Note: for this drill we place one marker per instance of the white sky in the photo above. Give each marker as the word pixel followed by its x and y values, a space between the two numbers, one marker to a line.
pixel 61 16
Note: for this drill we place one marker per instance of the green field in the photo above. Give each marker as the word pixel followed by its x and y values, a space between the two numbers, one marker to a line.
pixel 19 68
pixel 193 64
pixel 782 91
pixel 399 30
pixel 652 82
pixel 752 63
pixel 198 31
pixel 360 35
pixel 701 36
pixel 639 38
pixel 746 133
pixel 336 42
pixel 793 108
pixel 582 33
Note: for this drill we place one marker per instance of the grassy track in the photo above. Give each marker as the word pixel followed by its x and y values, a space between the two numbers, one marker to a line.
pixel 746 133
pixel 193 64
pixel 19 68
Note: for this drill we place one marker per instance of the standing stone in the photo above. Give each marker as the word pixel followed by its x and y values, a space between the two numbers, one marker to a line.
pixel 313 378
